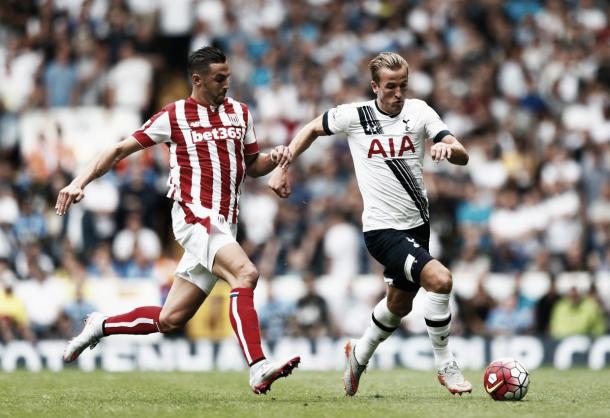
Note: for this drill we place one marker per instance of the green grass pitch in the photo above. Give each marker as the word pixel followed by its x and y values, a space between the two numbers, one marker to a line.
pixel 396 393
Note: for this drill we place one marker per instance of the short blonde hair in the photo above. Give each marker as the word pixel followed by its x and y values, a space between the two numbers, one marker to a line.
pixel 390 60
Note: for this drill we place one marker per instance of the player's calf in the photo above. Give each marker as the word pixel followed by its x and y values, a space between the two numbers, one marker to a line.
pixel 141 321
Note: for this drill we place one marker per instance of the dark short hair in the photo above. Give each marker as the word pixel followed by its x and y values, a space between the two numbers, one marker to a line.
pixel 199 61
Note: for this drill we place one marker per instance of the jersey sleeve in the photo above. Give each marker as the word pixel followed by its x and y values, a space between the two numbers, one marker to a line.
pixel 337 119
pixel 156 130
pixel 434 127
pixel 250 144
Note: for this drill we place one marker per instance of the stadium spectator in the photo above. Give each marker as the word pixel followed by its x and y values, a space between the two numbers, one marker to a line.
pixel 510 317
pixel 342 245
pixel 92 69
pixel 130 80
pixel 60 78
pixel 277 317
pixel 544 309
pixel 43 297
pixel 136 239
pixel 101 262
pixel 312 314
pixel 577 314
pixel 75 313
pixel 30 226
pixel 474 311
pixel 14 322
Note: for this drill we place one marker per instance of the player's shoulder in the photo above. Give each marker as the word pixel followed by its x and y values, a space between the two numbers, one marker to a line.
pixel 416 104
pixel 350 110
pixel 234 102
pixel 356 105
pixel 171 106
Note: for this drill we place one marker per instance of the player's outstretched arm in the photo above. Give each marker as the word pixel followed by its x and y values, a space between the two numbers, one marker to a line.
pixel 304 138
pixel 451 149
pixel 73 192
pixel 261 164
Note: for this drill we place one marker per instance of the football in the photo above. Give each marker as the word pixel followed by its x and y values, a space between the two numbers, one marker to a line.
pixel 506 380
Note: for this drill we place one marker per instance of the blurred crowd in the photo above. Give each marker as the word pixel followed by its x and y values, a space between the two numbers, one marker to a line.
pixel 524 84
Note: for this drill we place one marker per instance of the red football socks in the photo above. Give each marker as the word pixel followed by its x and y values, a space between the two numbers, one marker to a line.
pixel 245 324
pixel 142 320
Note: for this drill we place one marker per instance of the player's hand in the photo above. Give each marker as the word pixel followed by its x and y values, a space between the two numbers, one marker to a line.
pixel 440 151
pixel 281 156
pixel 68 195
pixel 279 183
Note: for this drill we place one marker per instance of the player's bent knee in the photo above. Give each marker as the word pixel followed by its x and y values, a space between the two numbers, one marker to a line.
pixel 170 322
pixel 438 280
pixel 247 276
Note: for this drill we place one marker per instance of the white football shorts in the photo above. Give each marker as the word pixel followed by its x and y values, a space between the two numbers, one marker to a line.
pixel 201 233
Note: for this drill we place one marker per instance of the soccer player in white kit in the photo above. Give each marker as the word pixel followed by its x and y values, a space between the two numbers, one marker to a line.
pixel 386 139
pixel 212 147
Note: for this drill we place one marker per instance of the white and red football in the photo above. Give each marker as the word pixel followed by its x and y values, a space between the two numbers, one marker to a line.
pixel 506 380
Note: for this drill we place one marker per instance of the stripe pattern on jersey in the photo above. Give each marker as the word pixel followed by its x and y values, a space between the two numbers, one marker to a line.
pixel 206 172
pixel 368 121
pixel 406 178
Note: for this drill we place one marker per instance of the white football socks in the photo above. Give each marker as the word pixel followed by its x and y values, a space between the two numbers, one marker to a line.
pixel 383 324
pixel 438 321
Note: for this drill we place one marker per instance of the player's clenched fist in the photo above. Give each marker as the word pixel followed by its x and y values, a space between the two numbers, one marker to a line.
pixel 440 151
pixel 279 183
pixel 281 156
pixel 68 195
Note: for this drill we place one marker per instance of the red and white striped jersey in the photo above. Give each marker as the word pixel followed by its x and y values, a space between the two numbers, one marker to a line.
pixel 208 146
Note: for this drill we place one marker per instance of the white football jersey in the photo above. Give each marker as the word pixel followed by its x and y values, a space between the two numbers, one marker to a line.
pixel 388 153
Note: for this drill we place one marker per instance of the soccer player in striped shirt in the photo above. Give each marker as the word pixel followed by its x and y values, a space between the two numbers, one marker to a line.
pixel 212 147
pixel 386 137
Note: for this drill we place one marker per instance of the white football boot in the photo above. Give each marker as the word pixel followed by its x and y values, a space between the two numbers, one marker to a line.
pixel 89 337
pixel 450 376
pixel 353 369
pixel 265 372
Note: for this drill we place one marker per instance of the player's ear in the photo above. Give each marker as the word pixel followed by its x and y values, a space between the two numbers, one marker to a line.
pixel 196 79
pixel 374 86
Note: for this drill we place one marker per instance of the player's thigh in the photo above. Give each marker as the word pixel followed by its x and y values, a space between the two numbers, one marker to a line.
pixel 402 256
pixel 190 269
pixel 232 264
pixel 183 301
pixel 201 232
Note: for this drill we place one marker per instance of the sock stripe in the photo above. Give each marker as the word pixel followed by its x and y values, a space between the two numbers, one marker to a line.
pixel 239 328
pixel 129 324
pixel 381 326
pixel 140 321
pixel 437 324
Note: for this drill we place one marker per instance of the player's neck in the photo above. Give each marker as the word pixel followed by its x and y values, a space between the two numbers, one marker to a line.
pixel 383 111
pixel 202 100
